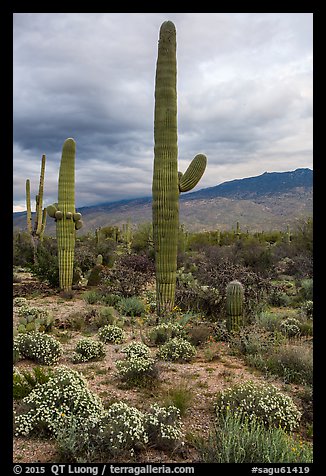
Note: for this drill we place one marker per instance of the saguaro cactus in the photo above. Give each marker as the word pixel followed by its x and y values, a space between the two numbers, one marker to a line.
pixel 167 181
pixel 39 224
pixel 64 213
pixel 234 305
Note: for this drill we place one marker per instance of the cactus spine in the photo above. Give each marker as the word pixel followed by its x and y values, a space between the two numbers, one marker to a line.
pixel 64 213
pixel 167 182
pixel 234 305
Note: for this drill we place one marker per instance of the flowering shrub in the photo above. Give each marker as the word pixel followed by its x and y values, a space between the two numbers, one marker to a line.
pixel 52 405
pixel 42 348
pixel 120 430
pixel 111 333
pixel 32 312
pixel 165 331
pixel 20 301
pixel 88 349
pixel 137 349
pixel 137 370
pixel 307 309
pixel 290 326
pixel 177 350
pixel 265 402
pixel 164 426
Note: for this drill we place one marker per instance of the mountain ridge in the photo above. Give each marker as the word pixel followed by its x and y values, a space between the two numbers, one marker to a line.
pixel 272 199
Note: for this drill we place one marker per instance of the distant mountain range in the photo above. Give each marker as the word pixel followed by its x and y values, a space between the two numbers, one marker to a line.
pixel 269 201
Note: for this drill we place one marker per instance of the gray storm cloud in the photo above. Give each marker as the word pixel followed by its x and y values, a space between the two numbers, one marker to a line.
pixel 244 97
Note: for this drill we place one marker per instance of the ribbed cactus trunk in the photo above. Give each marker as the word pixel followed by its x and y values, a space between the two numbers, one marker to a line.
pixel 64 213
pixel 167 182
pixel 66 205
pixel 36 232
pixel 234 305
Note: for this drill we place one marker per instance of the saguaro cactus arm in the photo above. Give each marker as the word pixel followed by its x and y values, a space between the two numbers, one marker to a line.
pixel 193 174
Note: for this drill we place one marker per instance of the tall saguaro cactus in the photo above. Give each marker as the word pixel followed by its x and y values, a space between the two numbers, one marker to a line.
pixel 64 213
pixel 168 183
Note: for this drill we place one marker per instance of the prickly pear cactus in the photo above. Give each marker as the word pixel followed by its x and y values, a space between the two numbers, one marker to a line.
pixel 168 183
pixel 64 213
pixel 234 305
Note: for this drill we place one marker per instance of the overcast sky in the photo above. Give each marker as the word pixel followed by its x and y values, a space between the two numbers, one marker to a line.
pixel 244 97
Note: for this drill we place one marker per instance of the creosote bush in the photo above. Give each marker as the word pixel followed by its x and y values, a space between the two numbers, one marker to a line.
pixel 262 401
pixel 88 349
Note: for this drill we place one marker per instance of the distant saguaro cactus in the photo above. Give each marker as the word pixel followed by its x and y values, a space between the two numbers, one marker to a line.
pixel 234 305
pixel 168 183
pixel 40 215
pixel 64 213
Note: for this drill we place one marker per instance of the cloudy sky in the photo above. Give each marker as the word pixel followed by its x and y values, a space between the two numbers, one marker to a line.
pixel 244 97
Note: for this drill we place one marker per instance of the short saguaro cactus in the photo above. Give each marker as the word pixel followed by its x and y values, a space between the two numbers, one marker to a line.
pixel 64 213
pixel 234 305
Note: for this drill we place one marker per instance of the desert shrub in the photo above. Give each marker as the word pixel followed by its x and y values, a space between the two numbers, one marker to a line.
pixel 216 272
pixel 20 301
pixel 199 334
pixel 268 321
pixel 262 401
pixel 278 298
pixel 252 340
pixel 238 439
pixel 137 349
pixel 111 334
pixel 307 309
pixel 221 332
pixel 53 404
pixel 164 426
pixel 87 349
pixel 110 299
pixel 105 316
pixel 306 289
pixel 121 431
pixel 177 350
pixel 46 266
pixel 42 348
pixel 92 297
pixel 290 327
pixel 22 249
pixel 167 330
pixel 128 277
pixel 292 362
pixel 25 380
pixel 131 306
pixel 136 370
